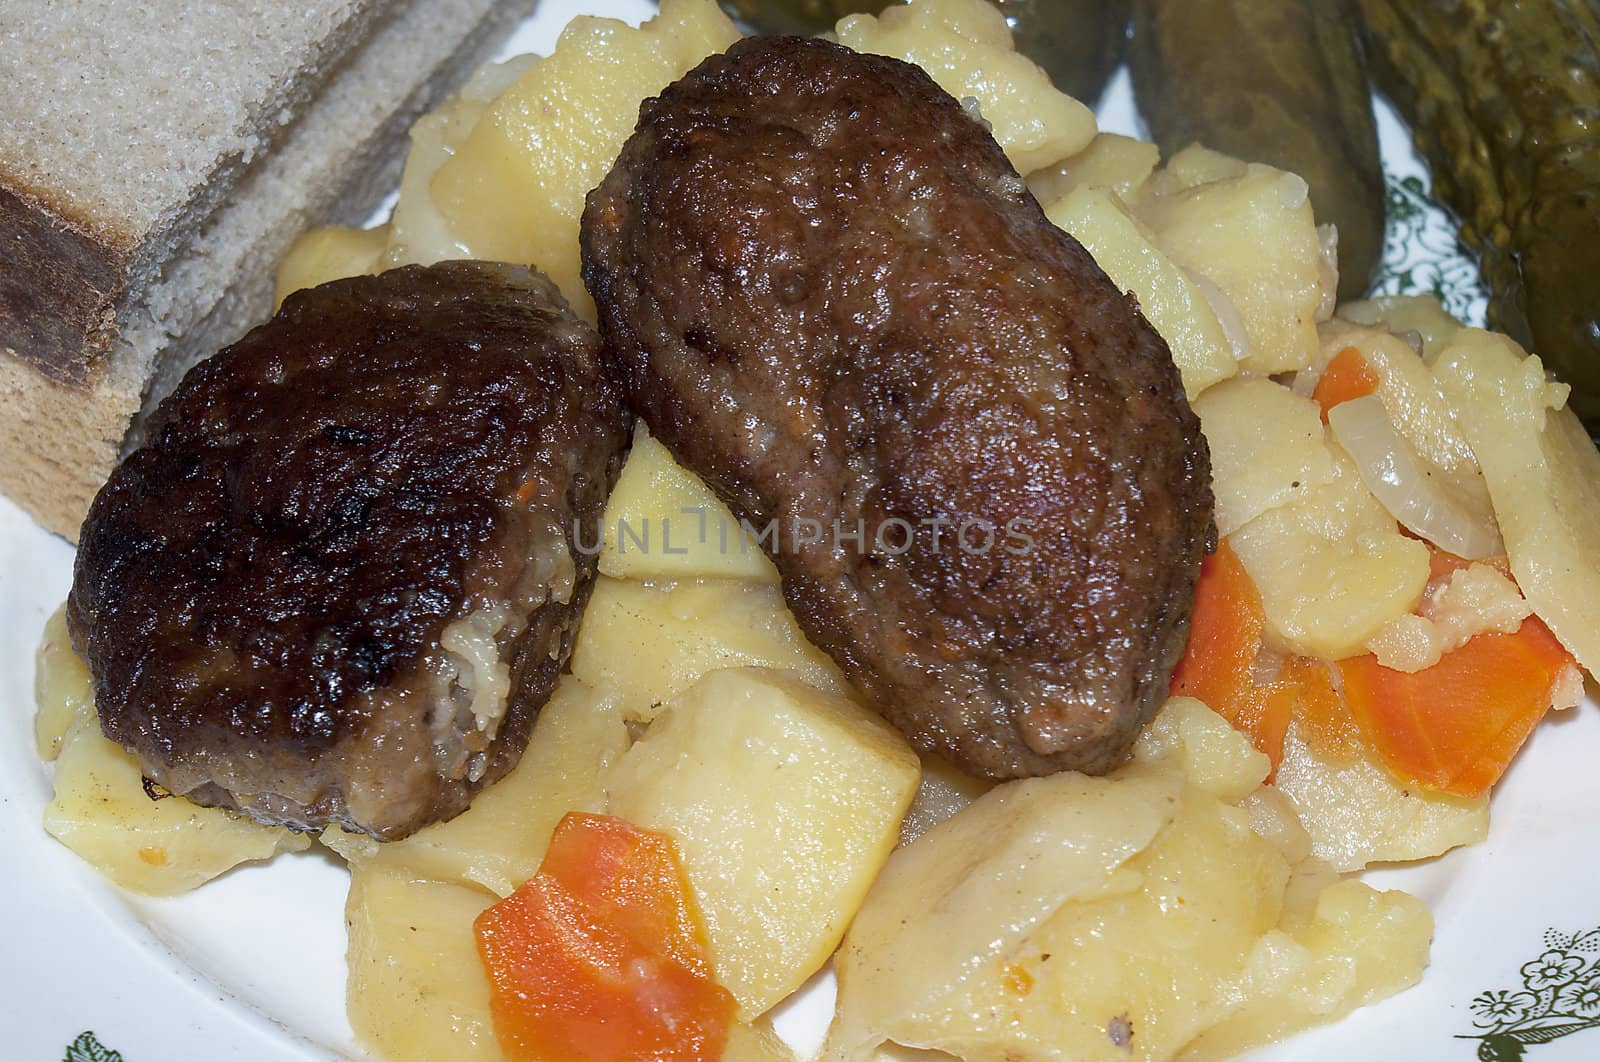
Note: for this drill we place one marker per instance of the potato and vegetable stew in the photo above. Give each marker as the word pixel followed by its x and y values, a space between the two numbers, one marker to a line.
pixel 708 811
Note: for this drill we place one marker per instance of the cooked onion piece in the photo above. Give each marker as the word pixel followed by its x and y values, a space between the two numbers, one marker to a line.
pixel 1426 500
pixel 1417 408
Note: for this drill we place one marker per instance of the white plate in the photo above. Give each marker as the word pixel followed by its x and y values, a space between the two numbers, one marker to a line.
pixel 251 966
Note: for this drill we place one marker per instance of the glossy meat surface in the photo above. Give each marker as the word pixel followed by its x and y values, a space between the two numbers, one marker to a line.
pixel 341 579
pixel 834 299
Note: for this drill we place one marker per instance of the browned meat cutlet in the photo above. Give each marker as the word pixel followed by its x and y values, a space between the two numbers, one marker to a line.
pixel 340 581
pixel 834 299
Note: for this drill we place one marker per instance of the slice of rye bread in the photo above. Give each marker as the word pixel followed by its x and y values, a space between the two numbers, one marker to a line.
pixel 147 189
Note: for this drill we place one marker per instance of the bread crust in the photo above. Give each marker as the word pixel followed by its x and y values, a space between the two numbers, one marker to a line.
pixel 60 290
pixel 65 417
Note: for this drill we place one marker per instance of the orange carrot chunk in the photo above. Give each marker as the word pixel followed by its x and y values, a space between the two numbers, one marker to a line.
pixel 1456 725
pixel 632 879
pixel 601 955
pixel 1224 632
pixel 1218 664
pixel 1320 714
pixel 1266 721
pixel 1346 376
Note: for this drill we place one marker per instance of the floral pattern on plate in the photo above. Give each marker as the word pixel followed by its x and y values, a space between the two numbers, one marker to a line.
pixel 1559 996
pixel 88 1048
pixel 1422 254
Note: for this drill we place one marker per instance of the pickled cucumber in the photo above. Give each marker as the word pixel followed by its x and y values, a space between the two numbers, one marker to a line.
pixel 1275 81
pixel 1078 42
pixel 1504 101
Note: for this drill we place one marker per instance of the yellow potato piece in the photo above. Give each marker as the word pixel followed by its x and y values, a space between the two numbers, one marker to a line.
pixel 1168 297
pixel 1268 448
pixel 755 1043
pixel 1357 814
pixel 1543 475
pixel 61 686
pixel 1332 567
pixel 1358 946
pixel 330 253
pixel 1193 166
pixel 1192 739
pixel 1117 163
pixel 966 47
pixel 649 643
pixel 156 846
pixel 514 190
pixel 1254 238
pixel 663 522
pixel 784 802
pixel 498 842
pixel 1054 917
pixel 1422 314
pixel 418 232
pixel 1180 931
pixel 953 903
pixel 417 990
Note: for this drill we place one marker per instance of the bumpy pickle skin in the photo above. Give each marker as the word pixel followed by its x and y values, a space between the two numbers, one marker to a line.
pixel 1502 99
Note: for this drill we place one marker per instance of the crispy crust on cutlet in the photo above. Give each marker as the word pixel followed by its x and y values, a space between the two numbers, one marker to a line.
pixel 340 581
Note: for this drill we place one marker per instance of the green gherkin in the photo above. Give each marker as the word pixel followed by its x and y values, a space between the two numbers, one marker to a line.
pixel 1275 81
pixel 1078 42
pixel 1503 97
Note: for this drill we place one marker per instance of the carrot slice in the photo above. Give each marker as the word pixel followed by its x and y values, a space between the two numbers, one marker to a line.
pixel 1456 725
pixel 1218 664
pixel 1266 721
pixel 632 879
pixel 1346 376
pixel 1320 713
pixel 1453 727
pixel 1224 632
pixel 601 954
